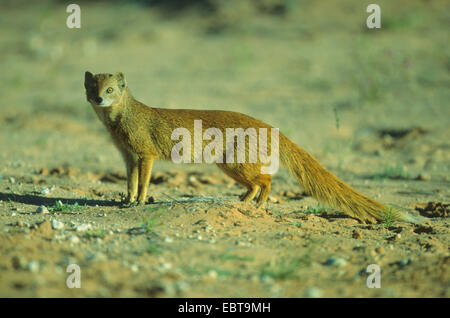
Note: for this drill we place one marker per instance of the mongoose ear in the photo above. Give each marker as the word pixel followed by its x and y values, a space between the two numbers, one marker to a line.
pixel 88 77
pixel 121 80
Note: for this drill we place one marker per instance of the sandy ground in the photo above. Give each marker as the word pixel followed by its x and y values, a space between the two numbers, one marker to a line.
pixel 372 107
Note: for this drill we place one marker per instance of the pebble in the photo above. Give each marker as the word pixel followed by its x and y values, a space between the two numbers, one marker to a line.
pixel 83 227
pixel 33 266
pixel 18 262
pixel 379 250
pixel 73 239
pixel 335 261
pixel 168 240
pixel 212 274
pixel 42 209
pixel 357 234
pixel 96 257
pixel 424 177
pixel 404 262
pixel 45 191
pixel 134 268
pixel 46 228
pixel 57 225
pixel 313 292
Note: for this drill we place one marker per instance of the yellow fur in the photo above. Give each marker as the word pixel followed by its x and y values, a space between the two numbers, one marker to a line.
pixel 143 134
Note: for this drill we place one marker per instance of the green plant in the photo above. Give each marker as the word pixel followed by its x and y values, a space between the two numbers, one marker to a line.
pixel 148 224
pixel 230 256
pixel 153 249
pixel 66 208
pixel 388 217
pixel 315 210
pixel 297 224
pixel 92 234
pixel 392 172
pixel 280 270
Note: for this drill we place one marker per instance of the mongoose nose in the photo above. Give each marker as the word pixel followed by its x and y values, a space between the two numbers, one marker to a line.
pixel 98 100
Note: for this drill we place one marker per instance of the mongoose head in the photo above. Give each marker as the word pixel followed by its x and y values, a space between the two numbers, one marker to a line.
pixel 104 90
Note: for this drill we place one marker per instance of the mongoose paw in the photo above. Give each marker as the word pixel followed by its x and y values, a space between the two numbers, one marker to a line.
pixel 129 204
pixel 262 204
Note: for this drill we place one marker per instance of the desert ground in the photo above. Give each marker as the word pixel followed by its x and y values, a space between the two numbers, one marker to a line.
pixel 371 105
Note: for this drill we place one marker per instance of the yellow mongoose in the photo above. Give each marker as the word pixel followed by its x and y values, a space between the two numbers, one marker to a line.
pixel 143 134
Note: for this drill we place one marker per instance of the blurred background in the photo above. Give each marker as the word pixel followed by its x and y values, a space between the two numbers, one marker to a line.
pixel 371 104
pixel 311 68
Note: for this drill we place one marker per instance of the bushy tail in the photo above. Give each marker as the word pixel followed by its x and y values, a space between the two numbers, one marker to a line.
pixel 327 188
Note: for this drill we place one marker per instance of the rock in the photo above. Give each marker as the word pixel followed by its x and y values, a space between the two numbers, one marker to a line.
pixel 33 266
pixel 73 239
pixel 18 262
pixel 335 261
pixel 423 177
pixel 379 250
pixel 212 274
pixel 357 234
pixel 168 240
pixel 134 268
pixel 313 292
pixel 57 225
pixel 404 262
pixel 83 227
pixel 45 228
pixel 45 191
pixel 42 209
pixel 96 257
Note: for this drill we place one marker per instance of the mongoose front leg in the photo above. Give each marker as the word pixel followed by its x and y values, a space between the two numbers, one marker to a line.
pixel 132 178
pixel 145 171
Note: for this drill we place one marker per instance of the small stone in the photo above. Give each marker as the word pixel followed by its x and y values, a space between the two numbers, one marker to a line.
pixel 45 228
pixel 212 274
pixel 95 257
pixel 335 261
pixel 18 262
pixel 404 262
pixel 73 239
pixel 12 180
pixel 168 240
pixel 379 250
pixel 57 225
pixel 45 191
pixel 357 234
pixel 134 268
pixel 42 209
pixel 33 266
pixel 424 177
pixel 83 227
pixel 273 199
pixel 313 292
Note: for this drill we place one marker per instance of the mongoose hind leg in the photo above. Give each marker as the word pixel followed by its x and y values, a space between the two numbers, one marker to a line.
pixel 264 181
pixel 233 171
pixel 250 194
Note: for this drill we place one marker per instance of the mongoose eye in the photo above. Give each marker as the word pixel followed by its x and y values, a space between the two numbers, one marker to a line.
pixel 109 90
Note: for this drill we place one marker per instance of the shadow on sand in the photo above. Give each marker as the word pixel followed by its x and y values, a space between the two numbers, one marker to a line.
pixel 39 200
